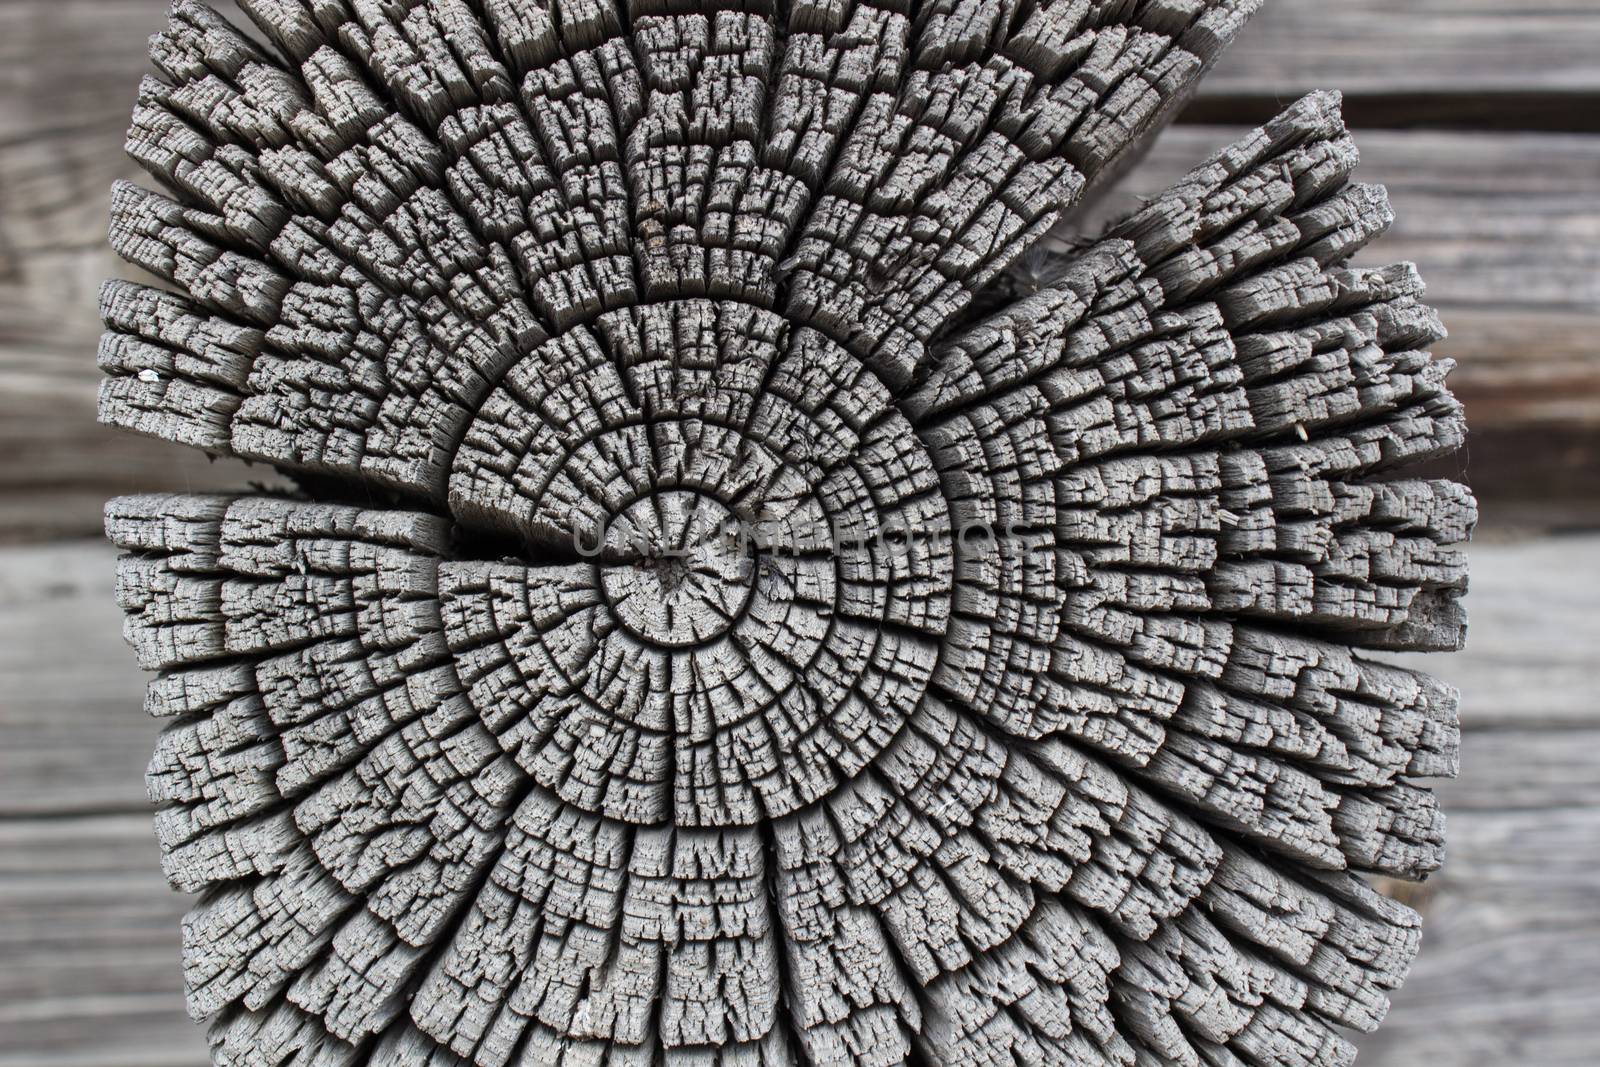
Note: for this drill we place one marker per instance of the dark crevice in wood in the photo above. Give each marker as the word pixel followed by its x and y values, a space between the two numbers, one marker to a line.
pixel 977 767
pixel 1490 110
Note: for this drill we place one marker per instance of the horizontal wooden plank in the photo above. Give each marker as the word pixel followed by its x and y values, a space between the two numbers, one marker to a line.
pixel 58 465
pixel 60 150
pixel 1476 63
pixel 70 696
pixel 1495 763
pixel 1503 226
pixel 89 932
pixel 77 740
pixel 1454 51
pixel 1508 971
pixel 1510 965
pixel 1530 657
pixel 1379 46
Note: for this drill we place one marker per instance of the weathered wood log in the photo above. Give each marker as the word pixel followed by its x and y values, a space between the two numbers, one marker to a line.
pixel 1508 973
pixel 740 605
pixel 1501 219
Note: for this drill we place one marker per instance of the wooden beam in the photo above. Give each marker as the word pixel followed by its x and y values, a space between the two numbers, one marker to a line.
pixel 1500 224
pixel 1465 63
pixel 1508 970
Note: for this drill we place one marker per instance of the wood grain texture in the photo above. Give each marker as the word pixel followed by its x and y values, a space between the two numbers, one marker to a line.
pixel 1502 223
pixel 1535 392
pixel 1538 414
pixel 89 933
pixel 60 148
pixel 1475 64
pixel 972 661
pixel 1508 972
pixel 71 746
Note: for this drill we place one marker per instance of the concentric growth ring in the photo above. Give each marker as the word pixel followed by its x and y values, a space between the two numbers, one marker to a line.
pixel 692 572
pixel 769 550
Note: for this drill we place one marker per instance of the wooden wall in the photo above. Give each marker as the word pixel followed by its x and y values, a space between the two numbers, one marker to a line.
pixel 1482 117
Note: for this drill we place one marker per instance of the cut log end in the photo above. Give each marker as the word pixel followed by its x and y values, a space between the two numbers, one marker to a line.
pixel 744 606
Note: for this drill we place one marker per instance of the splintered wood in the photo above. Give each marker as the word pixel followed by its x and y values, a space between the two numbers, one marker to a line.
pixel 742 604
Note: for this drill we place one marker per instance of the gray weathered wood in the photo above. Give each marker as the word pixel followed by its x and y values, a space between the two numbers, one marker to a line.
pixel 1502 222
pixel 1511 972
pixel 1522 946
pixel 974 661
pixel 89 933
pixel 62 146
pixel 71 746
pixel 1526 680
pixel 63 139
pixel 1472 63
pixel 1507 975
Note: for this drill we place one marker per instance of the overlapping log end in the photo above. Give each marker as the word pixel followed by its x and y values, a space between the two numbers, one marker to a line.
pixel 742 605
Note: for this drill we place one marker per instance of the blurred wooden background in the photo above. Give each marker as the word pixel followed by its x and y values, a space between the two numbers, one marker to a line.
pixel 1481 116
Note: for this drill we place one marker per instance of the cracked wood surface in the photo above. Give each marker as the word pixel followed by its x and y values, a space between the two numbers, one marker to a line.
pixel 974 658
pixel 1352 829
pixel 1518 290
pixel 1521 315
pixel 1508 973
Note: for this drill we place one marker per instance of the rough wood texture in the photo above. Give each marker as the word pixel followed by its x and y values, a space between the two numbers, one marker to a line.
pixel 1527 374
pixel 1509 972
pixel 60 146
pixel 1522 65
pixel 1519 288
pixel 740 606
